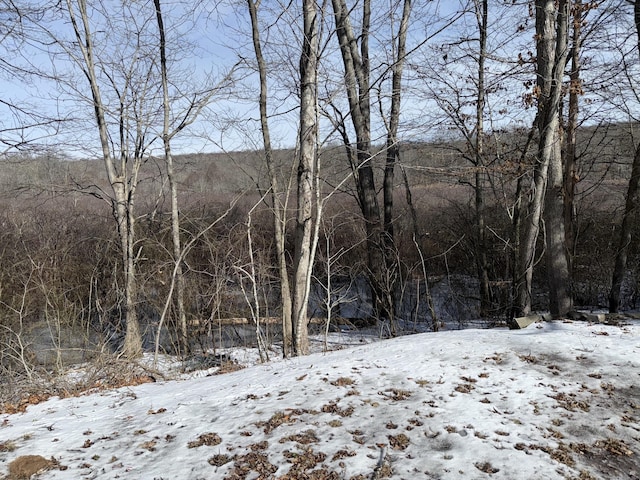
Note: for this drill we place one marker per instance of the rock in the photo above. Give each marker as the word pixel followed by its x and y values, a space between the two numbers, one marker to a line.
pixel 524 322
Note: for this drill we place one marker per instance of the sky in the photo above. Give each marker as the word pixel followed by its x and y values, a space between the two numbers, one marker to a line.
pixel 216 38
pixel 212 41
pixel 557 400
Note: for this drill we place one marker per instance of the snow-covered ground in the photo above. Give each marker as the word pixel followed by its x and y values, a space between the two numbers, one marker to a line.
pixel 556 400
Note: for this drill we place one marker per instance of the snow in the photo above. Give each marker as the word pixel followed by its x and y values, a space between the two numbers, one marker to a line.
pixel 556 400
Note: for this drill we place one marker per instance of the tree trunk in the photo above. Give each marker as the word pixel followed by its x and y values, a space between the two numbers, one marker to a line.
pixel 557 265
pixel 631 205
pixel 481 174
pixel 356 78
pixel 529 224
pixel 552 46
pixel 173 188
pixel 394 120
pixel 123 188
pixel 570 171
pixel 308 135
pixel 279 203
pixel 392 153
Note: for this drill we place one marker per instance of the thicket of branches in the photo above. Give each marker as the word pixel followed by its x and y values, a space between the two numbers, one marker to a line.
pixel 486 140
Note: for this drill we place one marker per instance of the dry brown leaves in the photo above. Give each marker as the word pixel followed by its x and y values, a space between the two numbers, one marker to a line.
pixel 208 439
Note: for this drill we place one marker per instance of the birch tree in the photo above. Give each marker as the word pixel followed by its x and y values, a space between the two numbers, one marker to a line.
pixel 305 240
pixel 122 172
pixel 109 47
pixel 177 114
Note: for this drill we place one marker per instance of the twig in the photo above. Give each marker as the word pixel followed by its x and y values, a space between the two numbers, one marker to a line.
pixel 377 471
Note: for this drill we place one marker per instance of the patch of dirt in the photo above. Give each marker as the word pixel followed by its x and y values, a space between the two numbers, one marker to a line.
pixel 343 453
pixel 304 460
pixel 464 388
pixel 251 462
pixel 486 467
pixel 343 382
pixel 219 460
pixel 610 457
pixel 398 442
pixel 569 402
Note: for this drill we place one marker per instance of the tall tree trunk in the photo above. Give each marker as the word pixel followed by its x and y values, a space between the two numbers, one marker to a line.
pixel 570 169
pixel 481 174
pixel 132 347
pixel 356 78
pixel 552 50
pixel 551 47
pixel 392 149
pixel 123 188
pixel 173 188
pixel 392 153
pixel 308 139
pixel 529 227
pixel 278 199
pixel 631 205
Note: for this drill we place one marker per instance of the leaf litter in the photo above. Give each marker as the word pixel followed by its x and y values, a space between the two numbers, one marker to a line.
pixel 552 401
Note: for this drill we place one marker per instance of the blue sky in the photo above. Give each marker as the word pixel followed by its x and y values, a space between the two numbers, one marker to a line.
pixel 216 38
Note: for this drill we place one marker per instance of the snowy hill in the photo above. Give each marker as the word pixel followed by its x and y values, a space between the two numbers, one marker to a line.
pixel 553 401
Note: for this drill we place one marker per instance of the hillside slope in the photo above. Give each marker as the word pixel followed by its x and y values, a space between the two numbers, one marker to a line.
pixel 553 401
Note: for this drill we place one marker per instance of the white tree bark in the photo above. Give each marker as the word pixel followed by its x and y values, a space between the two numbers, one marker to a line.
pixel 308 140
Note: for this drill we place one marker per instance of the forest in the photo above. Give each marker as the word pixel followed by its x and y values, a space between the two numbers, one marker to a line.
pixel 171 168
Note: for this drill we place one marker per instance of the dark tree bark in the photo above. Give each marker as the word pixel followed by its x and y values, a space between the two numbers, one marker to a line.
pixel 481 174
pixel 570 168
pixel 356 80
pixel 631 205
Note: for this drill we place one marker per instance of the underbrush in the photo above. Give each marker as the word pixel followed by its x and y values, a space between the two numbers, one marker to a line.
pixel 103 373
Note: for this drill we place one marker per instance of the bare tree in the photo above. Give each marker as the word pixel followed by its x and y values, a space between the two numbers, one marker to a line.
pixel 305 242
pixel 354 50
pixel 631 205
pixel 570 154
pixel 279 199
pixel 171 127
pixel 552 24
pixel 479 46
pixel 552 50
pixel 123 122
pixel 175 216
pixel 482 13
